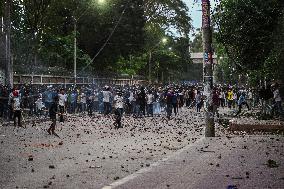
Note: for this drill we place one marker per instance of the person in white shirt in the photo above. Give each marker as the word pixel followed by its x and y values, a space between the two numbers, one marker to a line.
pixel 83 102
pixel 250 98
pixel 277 98
pixel 118 105
pixel 106 100
pixel 62 97
pixel 39 105
pixel 150 101
pixel 17 108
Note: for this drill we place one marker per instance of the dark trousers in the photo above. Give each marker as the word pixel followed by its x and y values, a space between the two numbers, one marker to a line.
pixel 142 109
pixel 175 106
pixel 169 110
pixel 17 115
pixel 240 107
pixel 107 108
pixel 150 109
pixel 198 106
pixel 52 126
pixel 61 109
pixel 4 110
pixel 230 103
pixel 222 102
pixel 90 106
pixel 188 102
pixel 10 112
pixel 118 116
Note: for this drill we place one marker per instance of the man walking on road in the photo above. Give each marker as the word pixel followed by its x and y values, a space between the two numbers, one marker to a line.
pixel 106 100
pixel 17 108
pixel 52 115
pixel 62 100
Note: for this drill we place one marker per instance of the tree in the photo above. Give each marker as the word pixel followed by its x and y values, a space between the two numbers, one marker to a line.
pixel 246 30
pixel 168 14
pixel 196 44
pixel 109 34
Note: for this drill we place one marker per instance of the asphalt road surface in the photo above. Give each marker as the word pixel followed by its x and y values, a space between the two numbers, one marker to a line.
pixel 90 153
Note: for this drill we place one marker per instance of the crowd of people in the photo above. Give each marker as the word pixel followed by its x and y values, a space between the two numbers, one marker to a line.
pixel 137 101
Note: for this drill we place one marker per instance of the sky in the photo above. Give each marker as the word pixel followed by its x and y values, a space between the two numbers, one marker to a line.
pixel 195 13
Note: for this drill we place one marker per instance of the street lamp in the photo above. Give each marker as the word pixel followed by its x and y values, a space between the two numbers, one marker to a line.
pixel 101 1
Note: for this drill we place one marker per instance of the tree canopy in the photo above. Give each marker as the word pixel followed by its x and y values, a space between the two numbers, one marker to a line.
pixel 43 33
pixel 250 33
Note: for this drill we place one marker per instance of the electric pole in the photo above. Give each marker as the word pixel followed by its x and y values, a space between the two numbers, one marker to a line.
pixel 207 68
pixel 75 51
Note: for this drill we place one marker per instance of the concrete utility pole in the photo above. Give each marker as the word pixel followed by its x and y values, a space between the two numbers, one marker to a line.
pixel 7 24
pixel 207 68
pixel 75 51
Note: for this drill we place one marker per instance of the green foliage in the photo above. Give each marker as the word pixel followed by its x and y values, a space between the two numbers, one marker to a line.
pixel 168 14
pixel 132 65
pixel 114 37
pixel 249 31
pixel 196 44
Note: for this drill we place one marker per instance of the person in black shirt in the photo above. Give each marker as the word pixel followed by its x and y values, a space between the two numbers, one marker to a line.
pixel 52 115
pixel 142 101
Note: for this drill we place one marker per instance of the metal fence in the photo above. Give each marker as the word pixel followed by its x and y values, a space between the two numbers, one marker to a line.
pixel 65 80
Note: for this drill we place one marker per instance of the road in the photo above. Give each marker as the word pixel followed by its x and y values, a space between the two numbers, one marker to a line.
pixel 90 153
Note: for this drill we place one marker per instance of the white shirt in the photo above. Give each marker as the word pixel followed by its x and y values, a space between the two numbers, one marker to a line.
pixel 95 96
pixel 150 98
pixel 276 95
pixel 106 96
pixel 83 98
pixel 131 97
pixel 250 95
pixel 39 104
pixel 16 104
pixel 62 99
pixel 118 101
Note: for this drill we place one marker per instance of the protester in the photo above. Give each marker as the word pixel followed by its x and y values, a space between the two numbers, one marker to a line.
pixel 62 101
pixel 150 101
pixel 230 98
pixel 175 102
pixel 52 115
pixel 169 102
pixel 17 108
pixel 198 100
pixel 242 101
pixel 277 99
pixel 216 102
pixel 106 100
pixel 118 104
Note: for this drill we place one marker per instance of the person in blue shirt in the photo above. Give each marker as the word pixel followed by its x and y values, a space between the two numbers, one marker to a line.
pixel 73 101
pixel 241 101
